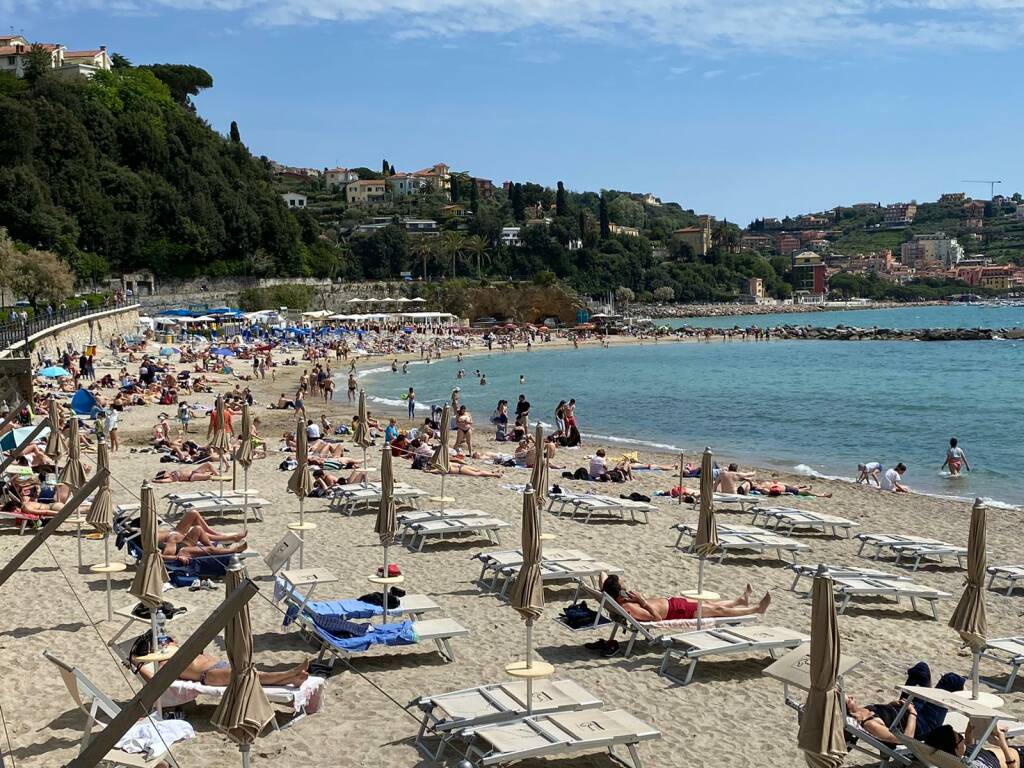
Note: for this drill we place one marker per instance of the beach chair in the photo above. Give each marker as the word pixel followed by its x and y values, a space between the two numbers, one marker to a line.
pixel 787 520
pixel 743 502
pixel 743 538
pixel 348 498
pixel 1011 574
pixel 610 613
pixel 21 519
pixel 560 735
pixel 848 587
pixel 557 572
pixel 225 505
pixel 690 647
pixel 589 504
pixel 445 714
pixel 913 548
pixel 307 699
pixel 416 532
pixel 324 612
pixel 1005 650
pixel 493 562
pixel 96 705
pixel 833 571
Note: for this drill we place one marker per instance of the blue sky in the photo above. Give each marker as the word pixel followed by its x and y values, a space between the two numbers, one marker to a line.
pixel 761 108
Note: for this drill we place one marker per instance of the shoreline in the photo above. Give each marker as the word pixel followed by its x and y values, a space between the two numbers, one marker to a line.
pixel 683 311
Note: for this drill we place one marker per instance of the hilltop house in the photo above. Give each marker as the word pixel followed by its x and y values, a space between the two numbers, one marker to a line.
pixel 294 199
pixel 698 238
pixel 366 192
pixel 15 52
pixel 402 184
pixel 437 178
pixel 339 177
pixel 618 229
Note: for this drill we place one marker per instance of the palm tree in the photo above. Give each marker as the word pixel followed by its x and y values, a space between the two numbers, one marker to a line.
pixel 476 247
pixel 454 245
pixel 424 250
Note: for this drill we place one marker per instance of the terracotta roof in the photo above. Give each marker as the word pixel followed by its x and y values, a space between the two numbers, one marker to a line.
pixel 338 170
pixel 81 54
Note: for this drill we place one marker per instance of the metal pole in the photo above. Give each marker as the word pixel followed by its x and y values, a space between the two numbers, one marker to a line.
pixel 680 477
pixel 245 498
pixel 302 532
pixel 700 591
pixel 385 586
pixel 529 665
pixel 150 693
pixel 976 652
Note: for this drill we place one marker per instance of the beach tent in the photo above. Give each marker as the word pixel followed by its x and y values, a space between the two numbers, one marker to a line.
pixel 223 352
pixel 54 372
pixel 83 402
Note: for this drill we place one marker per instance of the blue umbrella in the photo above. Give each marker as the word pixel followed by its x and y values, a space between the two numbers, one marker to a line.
pixel 54 372
pixel 224 352
pixel 167 351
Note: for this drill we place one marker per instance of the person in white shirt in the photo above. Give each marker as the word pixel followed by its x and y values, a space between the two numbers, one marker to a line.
pixel 955 459
pixel 598 465
pixel 892 480
pixel 312 430
pixel 870 471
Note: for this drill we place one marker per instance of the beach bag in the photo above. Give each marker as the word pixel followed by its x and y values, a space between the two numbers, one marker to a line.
pixel 579 615
pixel 581 474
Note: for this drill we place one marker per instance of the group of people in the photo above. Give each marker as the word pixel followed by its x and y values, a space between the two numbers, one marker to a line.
pixel 874 472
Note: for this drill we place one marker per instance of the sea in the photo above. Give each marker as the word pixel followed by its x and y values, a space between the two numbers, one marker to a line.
pixel 816 408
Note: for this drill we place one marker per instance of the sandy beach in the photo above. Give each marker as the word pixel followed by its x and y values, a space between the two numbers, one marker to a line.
pixel 730 714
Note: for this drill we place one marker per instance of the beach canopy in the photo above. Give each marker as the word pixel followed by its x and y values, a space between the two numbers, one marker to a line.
pixel 821 730
pixel 53 441
pixel 539 475
pixel 439 461
pixel 528 590
pixel 361 435
pixel 244 709
pixel 83 402
pixel 220 441
pixel 301 481
pixel 244 453
pixel 969 617
pixel 54 372
pixel 73 474
pixel 386 525
pixel 223 352
pixel 101 514
pixel 706 542
pixel 150 573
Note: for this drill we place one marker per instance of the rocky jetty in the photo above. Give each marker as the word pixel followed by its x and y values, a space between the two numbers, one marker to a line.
pixel 848 333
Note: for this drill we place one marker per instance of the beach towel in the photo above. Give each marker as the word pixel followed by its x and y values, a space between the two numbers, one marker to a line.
pixel 151 734
pixel 183 691
pixel 333 615
pixel 397 633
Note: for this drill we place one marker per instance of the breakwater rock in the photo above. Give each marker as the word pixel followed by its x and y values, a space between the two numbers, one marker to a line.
pixel 847 333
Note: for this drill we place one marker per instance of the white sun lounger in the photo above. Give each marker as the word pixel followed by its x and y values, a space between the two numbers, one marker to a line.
pixel 744 502
pixel 589 504
pixel 848 587
pixel 207 504
pixel 1009 573
pixel 912 548
pixel 556 572
pixel 560 735
pixel 447 713
pixel 96 704
pixel 305 700
pixel 1005 650
pixel 346 499
pixel 787 520
pixel 420 515
pixel 744 538
pixel 493 562
pixel 416 533
pixel 287 589
pixel 835 571
pixel 690 647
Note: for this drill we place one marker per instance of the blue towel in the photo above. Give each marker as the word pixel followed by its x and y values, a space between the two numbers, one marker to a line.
pixel 328 614
pixel 399 633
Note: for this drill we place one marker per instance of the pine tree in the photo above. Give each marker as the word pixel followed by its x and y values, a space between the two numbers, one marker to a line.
pixel 606 229
pixel 391 169
pixel 236 137
pixel 384 167
pixel 581 221
pixel 561 207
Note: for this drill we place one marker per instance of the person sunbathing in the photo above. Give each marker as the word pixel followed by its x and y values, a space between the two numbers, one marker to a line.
pixel 734 481
pixel 38 508
pixel 198 474
pixel 670 608
pixel 456 466
pixel 181 548
pixel 997 752
pixel 207 670
pixel 879 720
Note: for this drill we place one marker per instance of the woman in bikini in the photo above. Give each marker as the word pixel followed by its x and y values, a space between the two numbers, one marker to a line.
pixel 198 474
pixel 996 753
pixel 879 720
pixel 671 608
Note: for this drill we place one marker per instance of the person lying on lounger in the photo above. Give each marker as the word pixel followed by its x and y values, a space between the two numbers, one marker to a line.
pixel 455 468
pixel 879 720
pixel 207 670
pixel 996 753
pixel 197 474
pixel 670 608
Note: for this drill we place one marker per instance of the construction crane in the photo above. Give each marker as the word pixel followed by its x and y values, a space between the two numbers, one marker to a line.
pixel 990 182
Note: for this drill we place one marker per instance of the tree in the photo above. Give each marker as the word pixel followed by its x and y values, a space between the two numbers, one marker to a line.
pixel 606 229
pixel 424 250
pixel 664 293
pixel 91 267
pixel 476 247
pixel 624 295
pixel 183 81
pixel 39 64
pixel 117 61
pixel 384 169
pixel 42 275
pixel 474 197
pixel 453 244
pixel 8 261
pixel 454 179
pixel 236 137
pixel 518 203
pixel 391 170
pixel 561 206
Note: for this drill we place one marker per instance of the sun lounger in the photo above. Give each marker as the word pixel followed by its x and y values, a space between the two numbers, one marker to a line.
pixel 848 587
pixel 1005 650
pixel 493 562
pixel 835 571
pixel 609 612
pixel 206 504
pixel 346 499
pixel 402 633
pixel 744 502
pixel 1009 573
pixel 447 713
pixel 560 735
pixel 96 704
pixel 555 572
pixel 786 520
pixel 416 533
pixel 589 504
pixel 419 515
pixel 914 548
pixel 21 519
pixel 305 700
pixel 325 612
pixel 690 647
pixel 743 538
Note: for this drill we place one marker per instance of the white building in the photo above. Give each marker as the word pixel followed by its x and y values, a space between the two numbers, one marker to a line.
pixel 934 247
pixel 15 52
pixel 403 184
pixel 294 199
pixel 339 177
pixel 510 236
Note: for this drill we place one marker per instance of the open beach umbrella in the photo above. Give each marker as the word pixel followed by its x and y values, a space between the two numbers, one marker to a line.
pixel 243 456
pixel 539 476
pixel 150 573
pixel 821 730
pixel 439 461
pixel 385 527
pixel 73 474
pixel 528 590
pixel 54 372
pixel 244 710
pixel 53 441
pixel 969 617
pixel 301 481
pixel 361 436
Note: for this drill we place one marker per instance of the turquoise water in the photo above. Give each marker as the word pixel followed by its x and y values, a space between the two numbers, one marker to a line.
pixel 953 316
pixel 815 406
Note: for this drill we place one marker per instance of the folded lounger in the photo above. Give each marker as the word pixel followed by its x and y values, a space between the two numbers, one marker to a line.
pixel 346 499
pixel 1005 650
pixel 225 504
pixel 447 713
pixel 848 587
pixel 559 735
pixel 690 647
pixel 787 520
pixel 567 570
pixel 1009 573
pixel 415 534
pixel 835 571
pixel 744 502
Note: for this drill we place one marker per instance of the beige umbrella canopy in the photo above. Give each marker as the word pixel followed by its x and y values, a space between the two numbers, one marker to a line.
pixel 220 441
pixel 101 514
pixel 439 461
pixel 301 481
pixel 386 525
pixel 528 590
pixel 821 730
pixel 244 454
pixel 73 474
pixel 150 574
pixel 244 710
pixel 969 617
pixel 706 542
pixel 53 442
pixel 361 436
pixel 539 476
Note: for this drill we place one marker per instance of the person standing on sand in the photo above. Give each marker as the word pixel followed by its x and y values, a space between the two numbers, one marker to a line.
pixel 352 386
pixel 410 400
pixel 892 480
pixel 955 459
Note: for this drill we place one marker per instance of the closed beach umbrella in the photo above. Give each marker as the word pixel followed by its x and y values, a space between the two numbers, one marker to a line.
pixel 73 474
pixel 150 574
pixel 101 514
pixel 53 443
pixel 706 542
pixel 301 481
pixel 244 710
pixel 969 617
pixel 821 730
pixel 361 436
pixel 220 441
pixel 439 461
pixel 243 456
pixel 386 524
pixel 528 590
pixel 539 476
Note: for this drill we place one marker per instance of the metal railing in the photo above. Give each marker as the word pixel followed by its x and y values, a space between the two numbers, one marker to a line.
pixel 13 331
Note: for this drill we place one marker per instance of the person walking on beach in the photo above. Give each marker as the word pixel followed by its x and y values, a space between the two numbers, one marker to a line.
pixel 892 480
pixel 352 385
pixel 410 400
pixel 523 412
pixel 955 459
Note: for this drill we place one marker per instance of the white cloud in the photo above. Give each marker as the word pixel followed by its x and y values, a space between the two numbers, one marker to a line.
pixel 677 71
pixel 711 74
pixel 773 26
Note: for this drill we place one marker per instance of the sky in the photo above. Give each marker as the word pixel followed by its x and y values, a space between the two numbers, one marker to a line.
pixel 737 108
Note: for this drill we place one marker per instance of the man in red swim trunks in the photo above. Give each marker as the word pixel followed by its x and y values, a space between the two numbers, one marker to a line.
pixel 670 608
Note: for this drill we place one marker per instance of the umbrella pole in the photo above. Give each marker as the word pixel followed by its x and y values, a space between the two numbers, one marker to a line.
pixel 106 563
pixel 245 498
pixel 529 665
pixel 366 469
pixel 384 605
pixel 442 493
pixel 976 653
pixel 302 532
pixel 680 497
pixel 244 750
pixel 220 473
pixel 700 591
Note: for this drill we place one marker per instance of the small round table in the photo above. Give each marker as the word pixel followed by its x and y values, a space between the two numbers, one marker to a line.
pixel 158 656
pixel 301 528
pixel 536 670
pixel 385 582
pixel 548 537
pixel 77 520
pixel 441 499
pixel 700 597
pixel 985 698
pixel 106 569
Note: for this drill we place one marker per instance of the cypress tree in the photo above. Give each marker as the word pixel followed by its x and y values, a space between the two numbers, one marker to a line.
pixel 561 208
pixel 391 170
pixel 606 229
pixel 518 206
pixel 235 135
pixel 474 196
pixel 582 222
pixel 455 188
pixel 384 167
